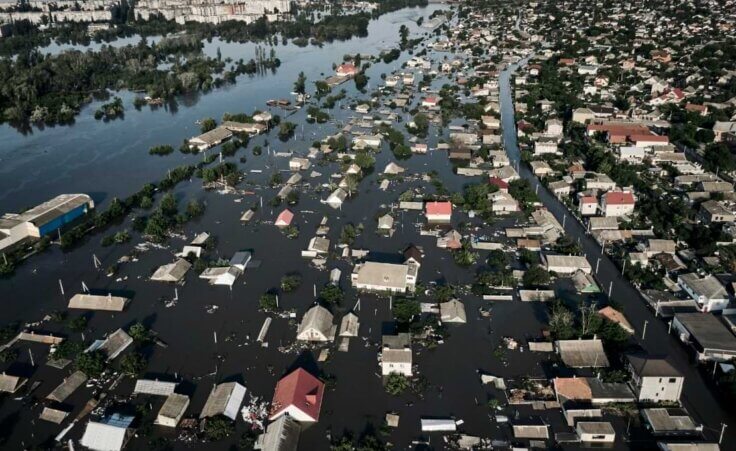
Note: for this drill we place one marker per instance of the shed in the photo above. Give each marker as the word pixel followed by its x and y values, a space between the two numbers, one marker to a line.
pixel 596 432
pixel 113 345
pixel 438 425
pixel 11 384
pixel 172 410
pixel 582 353
pixel 225 399
pixel 349 325
pixel 154 387
pixel 53 415
pixel 452 312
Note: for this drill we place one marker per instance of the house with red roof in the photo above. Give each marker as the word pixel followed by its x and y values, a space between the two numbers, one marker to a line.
pixel 438 212
pixel 669 96
pixel 430 102
pixel 617 203
pixel 284 218
pixel 502 185
pixel 347 70
pixel 299 395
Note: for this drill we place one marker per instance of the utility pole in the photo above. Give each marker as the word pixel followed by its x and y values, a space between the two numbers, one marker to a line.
pixel 669 329
pixel 610 289
pixel 723 430
pixel 597 263
pixel 644 332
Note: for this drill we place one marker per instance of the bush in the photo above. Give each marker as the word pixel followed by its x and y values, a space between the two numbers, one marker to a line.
pixel 396 384
pixel 218 428
pixel 268 302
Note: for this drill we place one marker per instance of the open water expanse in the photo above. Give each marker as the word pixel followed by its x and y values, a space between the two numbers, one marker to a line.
pixel 108 160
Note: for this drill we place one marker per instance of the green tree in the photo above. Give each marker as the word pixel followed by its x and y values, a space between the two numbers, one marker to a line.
pixel 300 83
pixel 207 124
pixel 133 364
pixel 139 333
pixel 331 294
pixel 364 159
pixel 405 310
pixel 92 363
pixel 535 276
pixel 78 324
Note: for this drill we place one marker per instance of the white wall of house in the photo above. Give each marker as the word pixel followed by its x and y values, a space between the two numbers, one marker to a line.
pixel 658 389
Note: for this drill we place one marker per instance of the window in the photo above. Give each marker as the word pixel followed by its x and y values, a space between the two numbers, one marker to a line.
pixel 673 380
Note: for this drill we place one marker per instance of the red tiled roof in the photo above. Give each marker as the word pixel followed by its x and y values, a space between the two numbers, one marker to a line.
pixel 347 68
pixel 498 182
pixel 301 390
pixel 619 198
pixel 285 217
pixel 654 138
pixel 438 208
pixel 573 388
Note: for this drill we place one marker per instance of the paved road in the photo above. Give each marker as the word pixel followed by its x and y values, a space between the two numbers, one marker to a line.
pixel 697 397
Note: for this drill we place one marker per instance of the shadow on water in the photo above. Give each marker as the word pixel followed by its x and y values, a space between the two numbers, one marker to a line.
pixel 305 361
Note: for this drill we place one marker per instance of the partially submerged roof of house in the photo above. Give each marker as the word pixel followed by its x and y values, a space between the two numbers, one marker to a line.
pixel 96 302
pixel 113 345
pixel 388 275
pixel 281 435
pixel 110 433
pixel 172 272
pixel 68 386
pixel 318 318
pixel 11 384
pixel 301 390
